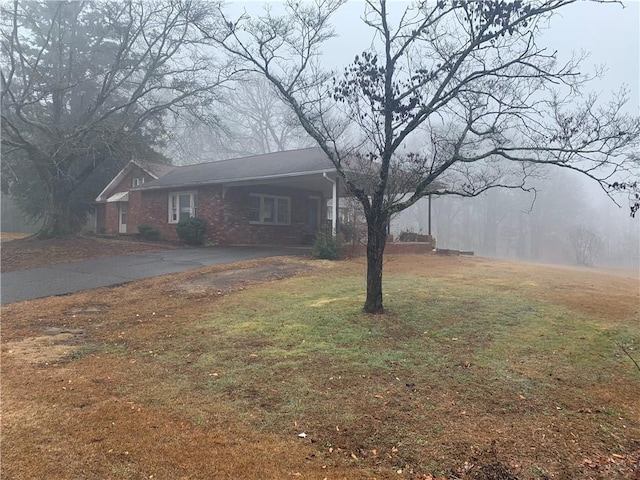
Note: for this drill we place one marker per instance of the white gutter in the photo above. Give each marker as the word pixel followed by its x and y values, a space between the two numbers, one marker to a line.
pixel 232 181
pixel 334 205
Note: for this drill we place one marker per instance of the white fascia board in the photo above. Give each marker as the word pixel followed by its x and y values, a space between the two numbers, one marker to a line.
pixel 233 181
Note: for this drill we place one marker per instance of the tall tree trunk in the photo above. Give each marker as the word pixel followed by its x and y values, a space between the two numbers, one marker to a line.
pixel 58 219
pixel 376 241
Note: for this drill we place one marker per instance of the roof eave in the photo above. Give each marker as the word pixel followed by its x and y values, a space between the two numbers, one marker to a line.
pixel 233 180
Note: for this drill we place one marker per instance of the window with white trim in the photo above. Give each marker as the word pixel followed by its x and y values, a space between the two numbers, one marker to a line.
pixel 181 206
pixel 137 181
pixel 269 209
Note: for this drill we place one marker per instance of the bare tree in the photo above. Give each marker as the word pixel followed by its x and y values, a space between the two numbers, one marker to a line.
pixel 257 121
pixel 496 104
pixel 193 139
pixel 249 119
pixel 586 244
pixel 85 83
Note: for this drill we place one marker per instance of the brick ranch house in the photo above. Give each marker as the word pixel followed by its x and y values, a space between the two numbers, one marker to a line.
pixel 276 198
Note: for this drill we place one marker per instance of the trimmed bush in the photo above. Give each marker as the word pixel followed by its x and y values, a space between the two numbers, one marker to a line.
pixel 326 246
pixel 192 230
pixel 147 232
pixel 408 236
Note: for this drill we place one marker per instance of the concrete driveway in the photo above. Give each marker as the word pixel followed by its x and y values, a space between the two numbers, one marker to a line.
pixel 103 272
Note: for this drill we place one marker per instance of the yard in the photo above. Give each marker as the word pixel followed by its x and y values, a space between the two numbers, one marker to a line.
pixel 481 369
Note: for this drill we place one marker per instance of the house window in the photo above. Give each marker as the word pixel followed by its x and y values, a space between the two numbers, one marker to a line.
pixel 181 206
pixel 137 181
pixel 269 210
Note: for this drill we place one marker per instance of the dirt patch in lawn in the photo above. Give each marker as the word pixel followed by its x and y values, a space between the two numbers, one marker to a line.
pixel 57 346
pixel 24 253
pixel 226 280
pixel 138 381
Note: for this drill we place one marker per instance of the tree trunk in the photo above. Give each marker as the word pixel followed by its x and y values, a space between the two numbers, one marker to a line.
pixel 57 217
pixel 376 241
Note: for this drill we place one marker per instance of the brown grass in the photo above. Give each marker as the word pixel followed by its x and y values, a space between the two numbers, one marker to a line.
pixel 112 383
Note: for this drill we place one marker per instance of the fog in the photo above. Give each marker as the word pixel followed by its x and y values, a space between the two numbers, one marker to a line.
pixel 564 218
pixel 550 225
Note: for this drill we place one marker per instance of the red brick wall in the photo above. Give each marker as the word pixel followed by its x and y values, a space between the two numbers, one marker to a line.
pixel 134 218
pixel 150 207
pixel 210 207
pixel 111 219
pixel 227 218
pixel 108 213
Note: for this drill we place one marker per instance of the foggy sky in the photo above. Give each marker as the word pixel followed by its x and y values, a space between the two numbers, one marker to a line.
pixel 610 33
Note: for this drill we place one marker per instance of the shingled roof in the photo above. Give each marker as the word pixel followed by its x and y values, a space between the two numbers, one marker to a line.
pixel 290 163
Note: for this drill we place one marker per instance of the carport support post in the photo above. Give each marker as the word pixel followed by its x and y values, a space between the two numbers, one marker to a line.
pixel 334 205
pixel 429 214
pixel 336 209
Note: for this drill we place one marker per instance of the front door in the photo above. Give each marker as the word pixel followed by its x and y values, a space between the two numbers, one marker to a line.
pixel 122 217
pixel 314 214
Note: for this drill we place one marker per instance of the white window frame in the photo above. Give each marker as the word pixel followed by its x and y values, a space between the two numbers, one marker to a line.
pixel 174 205
pixel 274 213
pixel 137 181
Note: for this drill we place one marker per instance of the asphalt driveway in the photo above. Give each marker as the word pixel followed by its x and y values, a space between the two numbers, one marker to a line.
pixel 103 272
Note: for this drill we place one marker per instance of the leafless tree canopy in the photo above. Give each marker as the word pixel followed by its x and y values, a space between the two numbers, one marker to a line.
pixel 587 245
pixel 467 75
pixel 249 119
pixel 258 121
pixel 85 82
